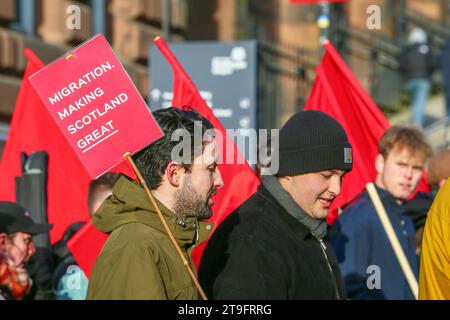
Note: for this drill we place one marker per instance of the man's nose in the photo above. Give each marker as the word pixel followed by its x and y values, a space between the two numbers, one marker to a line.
pixel 31 249
pixel 218 181
pixel 409 172
pixel 335 185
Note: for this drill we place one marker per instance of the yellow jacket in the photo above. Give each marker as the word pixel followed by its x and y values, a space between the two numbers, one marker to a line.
pixel 434 278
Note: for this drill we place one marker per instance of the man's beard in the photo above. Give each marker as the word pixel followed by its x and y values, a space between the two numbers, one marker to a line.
pixel 191 204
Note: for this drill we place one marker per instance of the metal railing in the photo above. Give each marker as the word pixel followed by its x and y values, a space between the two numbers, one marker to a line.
pixel 285 77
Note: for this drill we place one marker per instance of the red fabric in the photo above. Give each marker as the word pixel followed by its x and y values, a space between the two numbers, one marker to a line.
pixel 32 129
pixel 239 179
pixel 337 92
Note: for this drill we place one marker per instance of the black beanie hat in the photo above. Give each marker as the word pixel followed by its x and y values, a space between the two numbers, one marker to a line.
pixel 312 141
pixel 14 218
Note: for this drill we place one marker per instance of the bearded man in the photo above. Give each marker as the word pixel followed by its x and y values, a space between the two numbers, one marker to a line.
pixel 138 261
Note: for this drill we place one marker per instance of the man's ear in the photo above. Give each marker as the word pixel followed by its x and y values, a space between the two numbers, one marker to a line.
pixel 379 163
pixel 286 178
pixel 174 172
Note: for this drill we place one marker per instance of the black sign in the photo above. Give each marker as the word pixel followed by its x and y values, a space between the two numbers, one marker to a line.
pixel 225 75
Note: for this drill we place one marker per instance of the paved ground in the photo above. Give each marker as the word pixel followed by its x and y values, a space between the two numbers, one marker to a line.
pixel 435 128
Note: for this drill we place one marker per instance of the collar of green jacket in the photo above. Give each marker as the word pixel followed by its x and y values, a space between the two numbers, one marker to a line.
pixel 129 204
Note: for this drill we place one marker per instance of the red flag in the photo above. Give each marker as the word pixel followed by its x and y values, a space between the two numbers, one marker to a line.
pixel 32 129
pixel 239 179
pixel 337 92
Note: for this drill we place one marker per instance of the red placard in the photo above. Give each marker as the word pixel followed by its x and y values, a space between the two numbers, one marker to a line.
pixel 96 105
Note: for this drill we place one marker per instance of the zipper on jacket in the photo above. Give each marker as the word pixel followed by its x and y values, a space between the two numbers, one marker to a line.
pixel 324 248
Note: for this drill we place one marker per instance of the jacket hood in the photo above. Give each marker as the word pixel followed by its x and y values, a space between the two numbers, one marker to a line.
pixel 129 204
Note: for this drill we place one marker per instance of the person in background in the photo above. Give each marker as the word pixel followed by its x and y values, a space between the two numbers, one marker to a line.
pixel 100 189
pixel 417 63
pixel 367 260
pixel 69 281
pixel 16 248
pixel 439 169
pixel 418 207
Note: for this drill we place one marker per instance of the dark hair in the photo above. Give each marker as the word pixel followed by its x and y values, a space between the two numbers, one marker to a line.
pixel 404 136
pixel 105 181
pixel 153 160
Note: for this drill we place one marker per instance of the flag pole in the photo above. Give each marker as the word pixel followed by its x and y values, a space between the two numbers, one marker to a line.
pixel 404 264
pixel 127 155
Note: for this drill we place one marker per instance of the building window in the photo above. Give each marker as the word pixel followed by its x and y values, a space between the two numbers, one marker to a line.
pixel 25 12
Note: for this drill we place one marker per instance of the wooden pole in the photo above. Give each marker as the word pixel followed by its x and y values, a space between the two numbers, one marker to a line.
pixel 127 155
pixel 404 264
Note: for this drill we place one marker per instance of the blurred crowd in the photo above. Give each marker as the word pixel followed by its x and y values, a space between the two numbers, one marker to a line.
pixel 418 62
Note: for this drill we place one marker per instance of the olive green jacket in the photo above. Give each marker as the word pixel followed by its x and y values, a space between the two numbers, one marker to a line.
pixel 138 261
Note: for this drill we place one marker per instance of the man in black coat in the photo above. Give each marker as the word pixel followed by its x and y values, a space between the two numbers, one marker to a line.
pixel 275 246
